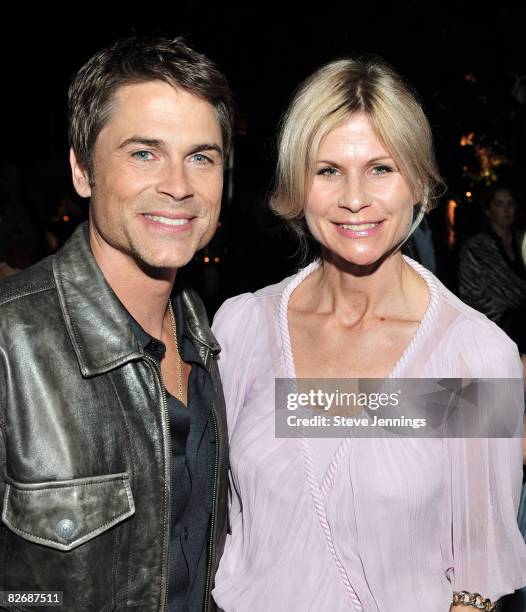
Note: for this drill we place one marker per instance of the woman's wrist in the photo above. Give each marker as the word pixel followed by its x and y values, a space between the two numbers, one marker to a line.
pixel 463 600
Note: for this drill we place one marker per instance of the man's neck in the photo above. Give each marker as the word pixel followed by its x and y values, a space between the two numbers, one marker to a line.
pixel 144 295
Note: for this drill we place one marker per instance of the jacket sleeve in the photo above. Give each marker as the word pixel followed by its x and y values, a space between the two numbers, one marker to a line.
pixel 3 432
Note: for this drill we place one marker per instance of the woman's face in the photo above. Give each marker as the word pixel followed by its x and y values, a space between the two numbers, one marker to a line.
pixel 501 209
pixel 359 206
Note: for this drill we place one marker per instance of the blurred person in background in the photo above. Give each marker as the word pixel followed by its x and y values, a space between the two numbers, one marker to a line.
pixel 491 273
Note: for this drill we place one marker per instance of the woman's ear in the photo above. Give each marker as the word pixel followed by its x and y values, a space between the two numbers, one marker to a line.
pixel 421 195
pixel 80 176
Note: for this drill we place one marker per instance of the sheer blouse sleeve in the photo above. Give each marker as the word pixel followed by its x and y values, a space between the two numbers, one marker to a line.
pixel 488 551
pixel 235 327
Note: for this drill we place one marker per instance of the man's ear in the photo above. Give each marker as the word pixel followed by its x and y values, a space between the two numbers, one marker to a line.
pixel 80 176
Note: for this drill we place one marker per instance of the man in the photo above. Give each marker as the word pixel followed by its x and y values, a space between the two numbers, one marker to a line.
pixel 113 451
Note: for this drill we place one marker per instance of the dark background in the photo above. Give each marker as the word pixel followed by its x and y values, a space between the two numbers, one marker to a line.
pixel 463 59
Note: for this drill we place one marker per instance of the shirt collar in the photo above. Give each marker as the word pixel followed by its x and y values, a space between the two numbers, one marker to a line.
pixel 96 321
pixel 155 346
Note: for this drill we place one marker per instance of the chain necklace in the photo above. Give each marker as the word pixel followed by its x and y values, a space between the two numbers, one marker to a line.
pixel 179 361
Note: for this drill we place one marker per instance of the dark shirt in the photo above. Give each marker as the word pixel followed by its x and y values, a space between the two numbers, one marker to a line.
pixel 191 470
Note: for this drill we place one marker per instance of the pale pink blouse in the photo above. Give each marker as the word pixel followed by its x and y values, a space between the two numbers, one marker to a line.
pixel 379 525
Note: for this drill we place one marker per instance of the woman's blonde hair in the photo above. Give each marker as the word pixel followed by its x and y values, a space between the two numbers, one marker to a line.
pixel 329 97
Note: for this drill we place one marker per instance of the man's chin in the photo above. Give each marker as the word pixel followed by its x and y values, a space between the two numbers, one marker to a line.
pixel 159 266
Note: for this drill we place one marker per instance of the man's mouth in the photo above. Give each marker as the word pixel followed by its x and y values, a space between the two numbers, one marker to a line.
pixel 168 221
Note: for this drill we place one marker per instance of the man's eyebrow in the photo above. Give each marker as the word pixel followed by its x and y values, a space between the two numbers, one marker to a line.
pixel 208 146
pixel 142 140
pixel 154 142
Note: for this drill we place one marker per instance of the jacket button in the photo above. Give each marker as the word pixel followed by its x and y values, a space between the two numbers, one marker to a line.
pixel 65 528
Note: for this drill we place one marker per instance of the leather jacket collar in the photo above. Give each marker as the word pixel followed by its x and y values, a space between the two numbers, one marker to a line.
pixel 96 321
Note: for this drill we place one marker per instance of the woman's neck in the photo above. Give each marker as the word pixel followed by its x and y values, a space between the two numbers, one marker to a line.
pixel 504 233
pixel 391 289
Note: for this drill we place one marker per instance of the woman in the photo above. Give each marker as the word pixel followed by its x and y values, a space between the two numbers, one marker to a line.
pixel 492 275
pixel 381 525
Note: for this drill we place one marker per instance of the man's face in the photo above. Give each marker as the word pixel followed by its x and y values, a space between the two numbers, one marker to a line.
pixel 157 174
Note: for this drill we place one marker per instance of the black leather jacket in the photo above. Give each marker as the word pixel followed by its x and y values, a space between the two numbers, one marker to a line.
pixel 84 445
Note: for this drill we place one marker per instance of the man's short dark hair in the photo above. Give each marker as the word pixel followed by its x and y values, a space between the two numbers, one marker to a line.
pixel 140 59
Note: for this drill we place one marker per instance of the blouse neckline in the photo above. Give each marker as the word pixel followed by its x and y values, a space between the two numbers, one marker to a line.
pixel 409 351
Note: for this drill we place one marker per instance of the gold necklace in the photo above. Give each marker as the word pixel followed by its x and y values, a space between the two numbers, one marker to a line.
pixel 179 361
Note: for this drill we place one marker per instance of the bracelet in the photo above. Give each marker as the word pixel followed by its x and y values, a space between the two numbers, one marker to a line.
pixel 472 599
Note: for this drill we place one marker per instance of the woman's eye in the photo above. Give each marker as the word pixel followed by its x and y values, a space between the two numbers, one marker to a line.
pixel 382 169
pixel 143 155
pixel 329 171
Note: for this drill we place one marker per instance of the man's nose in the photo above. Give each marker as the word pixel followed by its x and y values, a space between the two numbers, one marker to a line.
pixel 174 182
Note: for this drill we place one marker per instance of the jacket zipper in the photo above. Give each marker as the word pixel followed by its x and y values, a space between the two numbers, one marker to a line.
pixel 211 551
pixel 167 492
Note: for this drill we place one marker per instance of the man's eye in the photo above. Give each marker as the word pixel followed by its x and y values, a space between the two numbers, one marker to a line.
pixel 143 155
pixel 200 158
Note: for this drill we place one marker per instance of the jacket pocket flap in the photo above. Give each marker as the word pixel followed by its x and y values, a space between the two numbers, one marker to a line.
pixel 67 513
